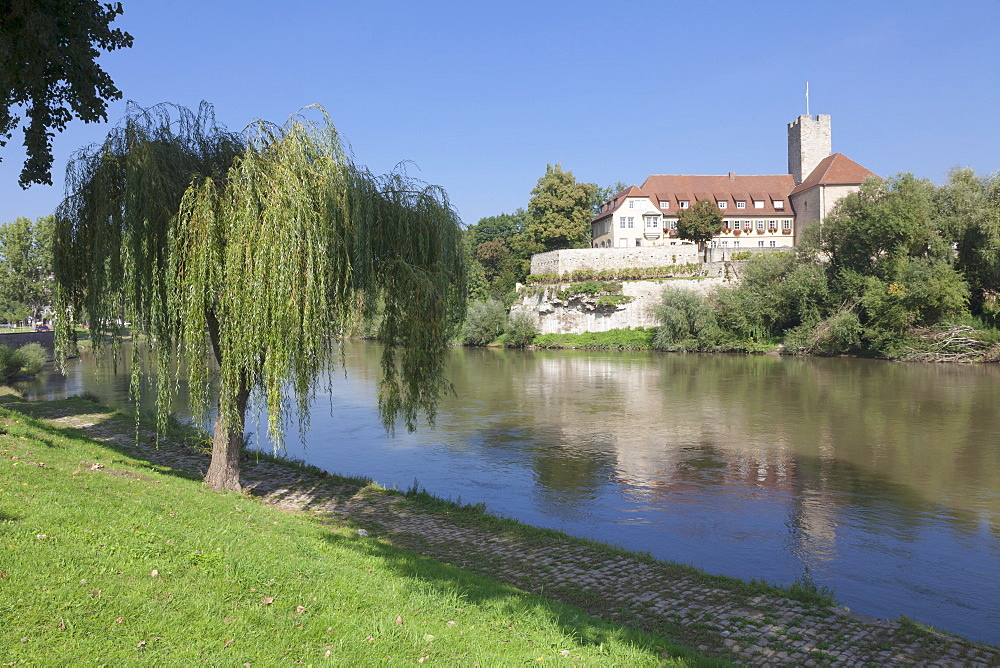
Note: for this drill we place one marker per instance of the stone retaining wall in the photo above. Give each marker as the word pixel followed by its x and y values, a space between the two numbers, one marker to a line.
pixel 15 340
pixel 566 261
pixel 582 313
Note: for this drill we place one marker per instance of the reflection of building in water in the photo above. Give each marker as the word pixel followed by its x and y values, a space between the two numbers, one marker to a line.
pixel 671 434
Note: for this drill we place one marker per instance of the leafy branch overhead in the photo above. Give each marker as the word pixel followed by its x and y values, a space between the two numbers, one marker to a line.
pixel 48 68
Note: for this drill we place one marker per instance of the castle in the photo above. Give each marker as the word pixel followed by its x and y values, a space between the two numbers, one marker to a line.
pixel 759 211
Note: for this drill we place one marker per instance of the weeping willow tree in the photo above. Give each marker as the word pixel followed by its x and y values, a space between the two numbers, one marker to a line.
pixel 247 257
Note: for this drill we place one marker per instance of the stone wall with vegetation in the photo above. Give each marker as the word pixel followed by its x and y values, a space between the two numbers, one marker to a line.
pixel 564 261
pixel 614 260
pixel 15 340
pixel 567 308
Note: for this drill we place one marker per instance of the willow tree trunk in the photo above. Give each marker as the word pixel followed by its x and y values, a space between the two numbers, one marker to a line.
pixel 227 446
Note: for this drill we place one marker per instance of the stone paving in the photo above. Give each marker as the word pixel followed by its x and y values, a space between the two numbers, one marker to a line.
pixel 632 590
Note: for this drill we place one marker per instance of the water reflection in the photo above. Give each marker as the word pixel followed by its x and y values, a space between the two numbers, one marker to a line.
pixel 883 480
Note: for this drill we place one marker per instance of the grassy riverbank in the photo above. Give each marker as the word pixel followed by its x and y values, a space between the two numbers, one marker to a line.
pixel 110 559
pixel 111 550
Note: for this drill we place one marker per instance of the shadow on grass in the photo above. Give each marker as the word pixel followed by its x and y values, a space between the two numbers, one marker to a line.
pixel 511 604
pixel 92 422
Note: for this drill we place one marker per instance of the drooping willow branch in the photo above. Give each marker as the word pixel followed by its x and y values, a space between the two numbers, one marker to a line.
pixel 254 251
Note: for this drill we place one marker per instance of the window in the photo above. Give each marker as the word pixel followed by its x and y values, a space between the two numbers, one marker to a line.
pixel 758 204
pixel 773 243
pixel 760 224
pixel 736 243
pixel 621 222
pixel 723 204
pixel 779 204
pixel 632 203
pixel 772 225
pixel 664 205
pixel 737 224
pixel 725 244
pixel 760 244
pixel 786 224
pixel 713 243
pixel 683 204
pixel 631 222
pixel 652 222
pixel 673 225
pixel 638 242
pixel 741 205
pixel 623 242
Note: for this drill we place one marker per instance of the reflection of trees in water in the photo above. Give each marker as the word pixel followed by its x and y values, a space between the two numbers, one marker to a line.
pixel 905 439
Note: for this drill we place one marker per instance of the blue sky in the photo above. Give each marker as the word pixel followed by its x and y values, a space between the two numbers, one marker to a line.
pixel 481 96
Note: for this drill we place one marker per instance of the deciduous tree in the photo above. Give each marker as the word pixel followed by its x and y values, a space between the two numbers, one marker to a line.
pixel 873 230
pixel 559 211
pixel 26 266
pixel 250 254
pixel 699 223
pixel 48 68
pixel 968 211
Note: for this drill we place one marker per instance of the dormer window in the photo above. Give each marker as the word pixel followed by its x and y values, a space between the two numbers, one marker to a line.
pixel 723 204
pixel 779 204
pixel 683 204
pixel 664 205
pixel 758 204
pixel 741 205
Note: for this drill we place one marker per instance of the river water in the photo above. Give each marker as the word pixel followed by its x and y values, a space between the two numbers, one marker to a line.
pixel 877 479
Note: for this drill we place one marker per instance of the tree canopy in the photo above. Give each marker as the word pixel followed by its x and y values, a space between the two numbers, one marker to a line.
pixel 251 254
pixel 48 52
pixel 700 222
pixel 559 211
pixel 25 267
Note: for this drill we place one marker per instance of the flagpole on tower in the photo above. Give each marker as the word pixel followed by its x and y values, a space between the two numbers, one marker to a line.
pixel 807 98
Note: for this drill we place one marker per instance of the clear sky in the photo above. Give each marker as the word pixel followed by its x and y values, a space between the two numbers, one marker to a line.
pixel 481 96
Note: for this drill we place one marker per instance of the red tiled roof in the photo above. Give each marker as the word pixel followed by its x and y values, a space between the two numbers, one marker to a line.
pixel 835 170
pixel 729 187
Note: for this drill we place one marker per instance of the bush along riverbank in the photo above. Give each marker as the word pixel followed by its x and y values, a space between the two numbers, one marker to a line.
pixel 113 550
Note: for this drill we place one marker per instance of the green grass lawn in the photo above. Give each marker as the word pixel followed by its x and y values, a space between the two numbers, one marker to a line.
pixel 109 560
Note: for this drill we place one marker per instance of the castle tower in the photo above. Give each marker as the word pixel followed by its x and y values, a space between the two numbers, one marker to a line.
pixel 808 143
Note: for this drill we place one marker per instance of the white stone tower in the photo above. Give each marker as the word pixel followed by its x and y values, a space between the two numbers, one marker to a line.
pixel 808 143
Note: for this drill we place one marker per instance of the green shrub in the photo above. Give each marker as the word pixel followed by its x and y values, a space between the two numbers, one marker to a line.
pixel 484 322
pixel 614 300
pixel 638 338
pixel 10 361
pixel 33 358
pixel 687 322
pixel 521 330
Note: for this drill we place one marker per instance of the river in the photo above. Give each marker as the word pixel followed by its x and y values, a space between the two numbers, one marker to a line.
pixel 880 480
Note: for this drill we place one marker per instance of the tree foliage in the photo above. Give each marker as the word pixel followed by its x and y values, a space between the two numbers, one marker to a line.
pixel 968 209
pixel 251 253
pixel 775 293
pixel 48 52
pixel 559 211
pixel 872 230
pixel 700 222
pixel 495 257
pixel 26 267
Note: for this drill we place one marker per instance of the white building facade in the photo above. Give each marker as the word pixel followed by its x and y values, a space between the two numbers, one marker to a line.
pixel 758 211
